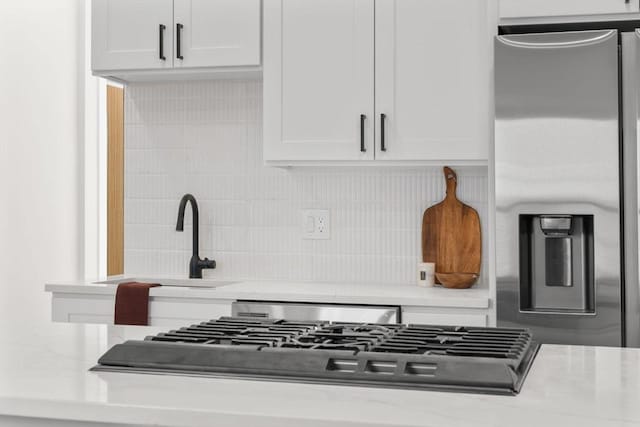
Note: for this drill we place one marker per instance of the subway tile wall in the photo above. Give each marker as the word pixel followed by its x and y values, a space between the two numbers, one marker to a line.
pixel 205 138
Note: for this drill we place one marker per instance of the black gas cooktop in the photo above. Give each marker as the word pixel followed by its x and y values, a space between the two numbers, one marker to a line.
pixel 469 359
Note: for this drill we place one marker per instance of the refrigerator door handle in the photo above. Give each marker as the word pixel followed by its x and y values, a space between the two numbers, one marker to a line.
pixel 557 40
pixel 630 92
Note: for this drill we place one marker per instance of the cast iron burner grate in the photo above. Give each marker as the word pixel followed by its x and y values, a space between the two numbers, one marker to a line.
pixel 232 331
pixel 487 360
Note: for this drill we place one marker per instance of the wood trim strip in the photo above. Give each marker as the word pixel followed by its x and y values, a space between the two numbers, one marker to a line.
pixel 115 180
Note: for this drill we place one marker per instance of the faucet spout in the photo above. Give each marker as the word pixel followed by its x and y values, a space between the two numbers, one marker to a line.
pixel 196 265
pixel 196 221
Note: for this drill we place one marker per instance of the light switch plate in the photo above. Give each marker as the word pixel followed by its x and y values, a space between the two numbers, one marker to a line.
pixel 316 224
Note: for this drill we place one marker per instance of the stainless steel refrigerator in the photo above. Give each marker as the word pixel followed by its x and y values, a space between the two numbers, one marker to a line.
pixel 566 185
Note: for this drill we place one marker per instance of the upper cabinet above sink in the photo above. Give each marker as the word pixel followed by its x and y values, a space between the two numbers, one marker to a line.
pixel 165 39
pixel 378 81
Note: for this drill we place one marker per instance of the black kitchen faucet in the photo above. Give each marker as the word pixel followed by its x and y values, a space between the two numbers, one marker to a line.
pixel 196 265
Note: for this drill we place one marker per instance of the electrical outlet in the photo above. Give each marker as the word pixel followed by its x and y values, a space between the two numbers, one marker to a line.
pixel 316 224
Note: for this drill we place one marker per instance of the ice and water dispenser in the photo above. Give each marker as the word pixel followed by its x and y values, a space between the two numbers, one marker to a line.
pixel 556 263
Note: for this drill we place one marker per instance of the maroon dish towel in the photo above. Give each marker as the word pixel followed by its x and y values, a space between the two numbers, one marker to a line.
pixel 132 303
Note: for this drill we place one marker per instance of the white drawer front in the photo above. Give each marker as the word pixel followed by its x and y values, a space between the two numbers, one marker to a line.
pixel 455 319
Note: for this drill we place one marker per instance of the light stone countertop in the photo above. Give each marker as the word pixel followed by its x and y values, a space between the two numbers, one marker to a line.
pixel 346 293
pixel 44 373
pixel 564 19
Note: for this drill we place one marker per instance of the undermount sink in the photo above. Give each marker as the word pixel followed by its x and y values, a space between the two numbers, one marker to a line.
pixel 190 283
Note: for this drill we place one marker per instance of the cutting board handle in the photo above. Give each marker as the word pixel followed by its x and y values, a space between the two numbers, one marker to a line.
pixel 452 180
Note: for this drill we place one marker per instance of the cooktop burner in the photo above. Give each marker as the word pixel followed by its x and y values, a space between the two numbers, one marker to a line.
pixel 489 360
pixel 343 336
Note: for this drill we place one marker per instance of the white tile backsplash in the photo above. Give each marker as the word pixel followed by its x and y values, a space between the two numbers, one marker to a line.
pixel 205 138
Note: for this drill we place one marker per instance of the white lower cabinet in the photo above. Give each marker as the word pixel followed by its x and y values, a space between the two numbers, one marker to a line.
pixel 177 307
pixel 163 311
pixel 173 312
pixel 454 317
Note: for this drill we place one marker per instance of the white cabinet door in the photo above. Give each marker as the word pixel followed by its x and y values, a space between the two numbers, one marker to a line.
pixel 215 33
pixel 433 79
pixel 163 311
pixel 318 79
pixel 127 34
pixel 532 8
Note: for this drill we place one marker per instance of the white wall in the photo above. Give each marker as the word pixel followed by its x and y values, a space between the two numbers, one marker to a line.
pixel 41 116
pixel 206 138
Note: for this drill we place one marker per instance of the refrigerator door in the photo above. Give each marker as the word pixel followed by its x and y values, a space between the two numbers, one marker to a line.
pixel 631 121
pixel 557 155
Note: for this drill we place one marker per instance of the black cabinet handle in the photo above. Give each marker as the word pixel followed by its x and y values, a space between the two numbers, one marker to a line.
pixel 362 119
pixel 178 32
pixel 382 146
pixel 161 41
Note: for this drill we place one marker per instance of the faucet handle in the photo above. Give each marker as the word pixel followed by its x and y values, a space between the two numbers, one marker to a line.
pixel 207 263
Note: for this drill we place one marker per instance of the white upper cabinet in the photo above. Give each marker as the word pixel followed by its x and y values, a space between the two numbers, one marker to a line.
pixel 537 8
pixel 318 80
pixel 132 34
pixel 131 37
pixel 425 66
pixel 433 80
pixel 215 33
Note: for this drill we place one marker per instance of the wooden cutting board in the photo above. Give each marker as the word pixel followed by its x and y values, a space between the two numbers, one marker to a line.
pixel 451 236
